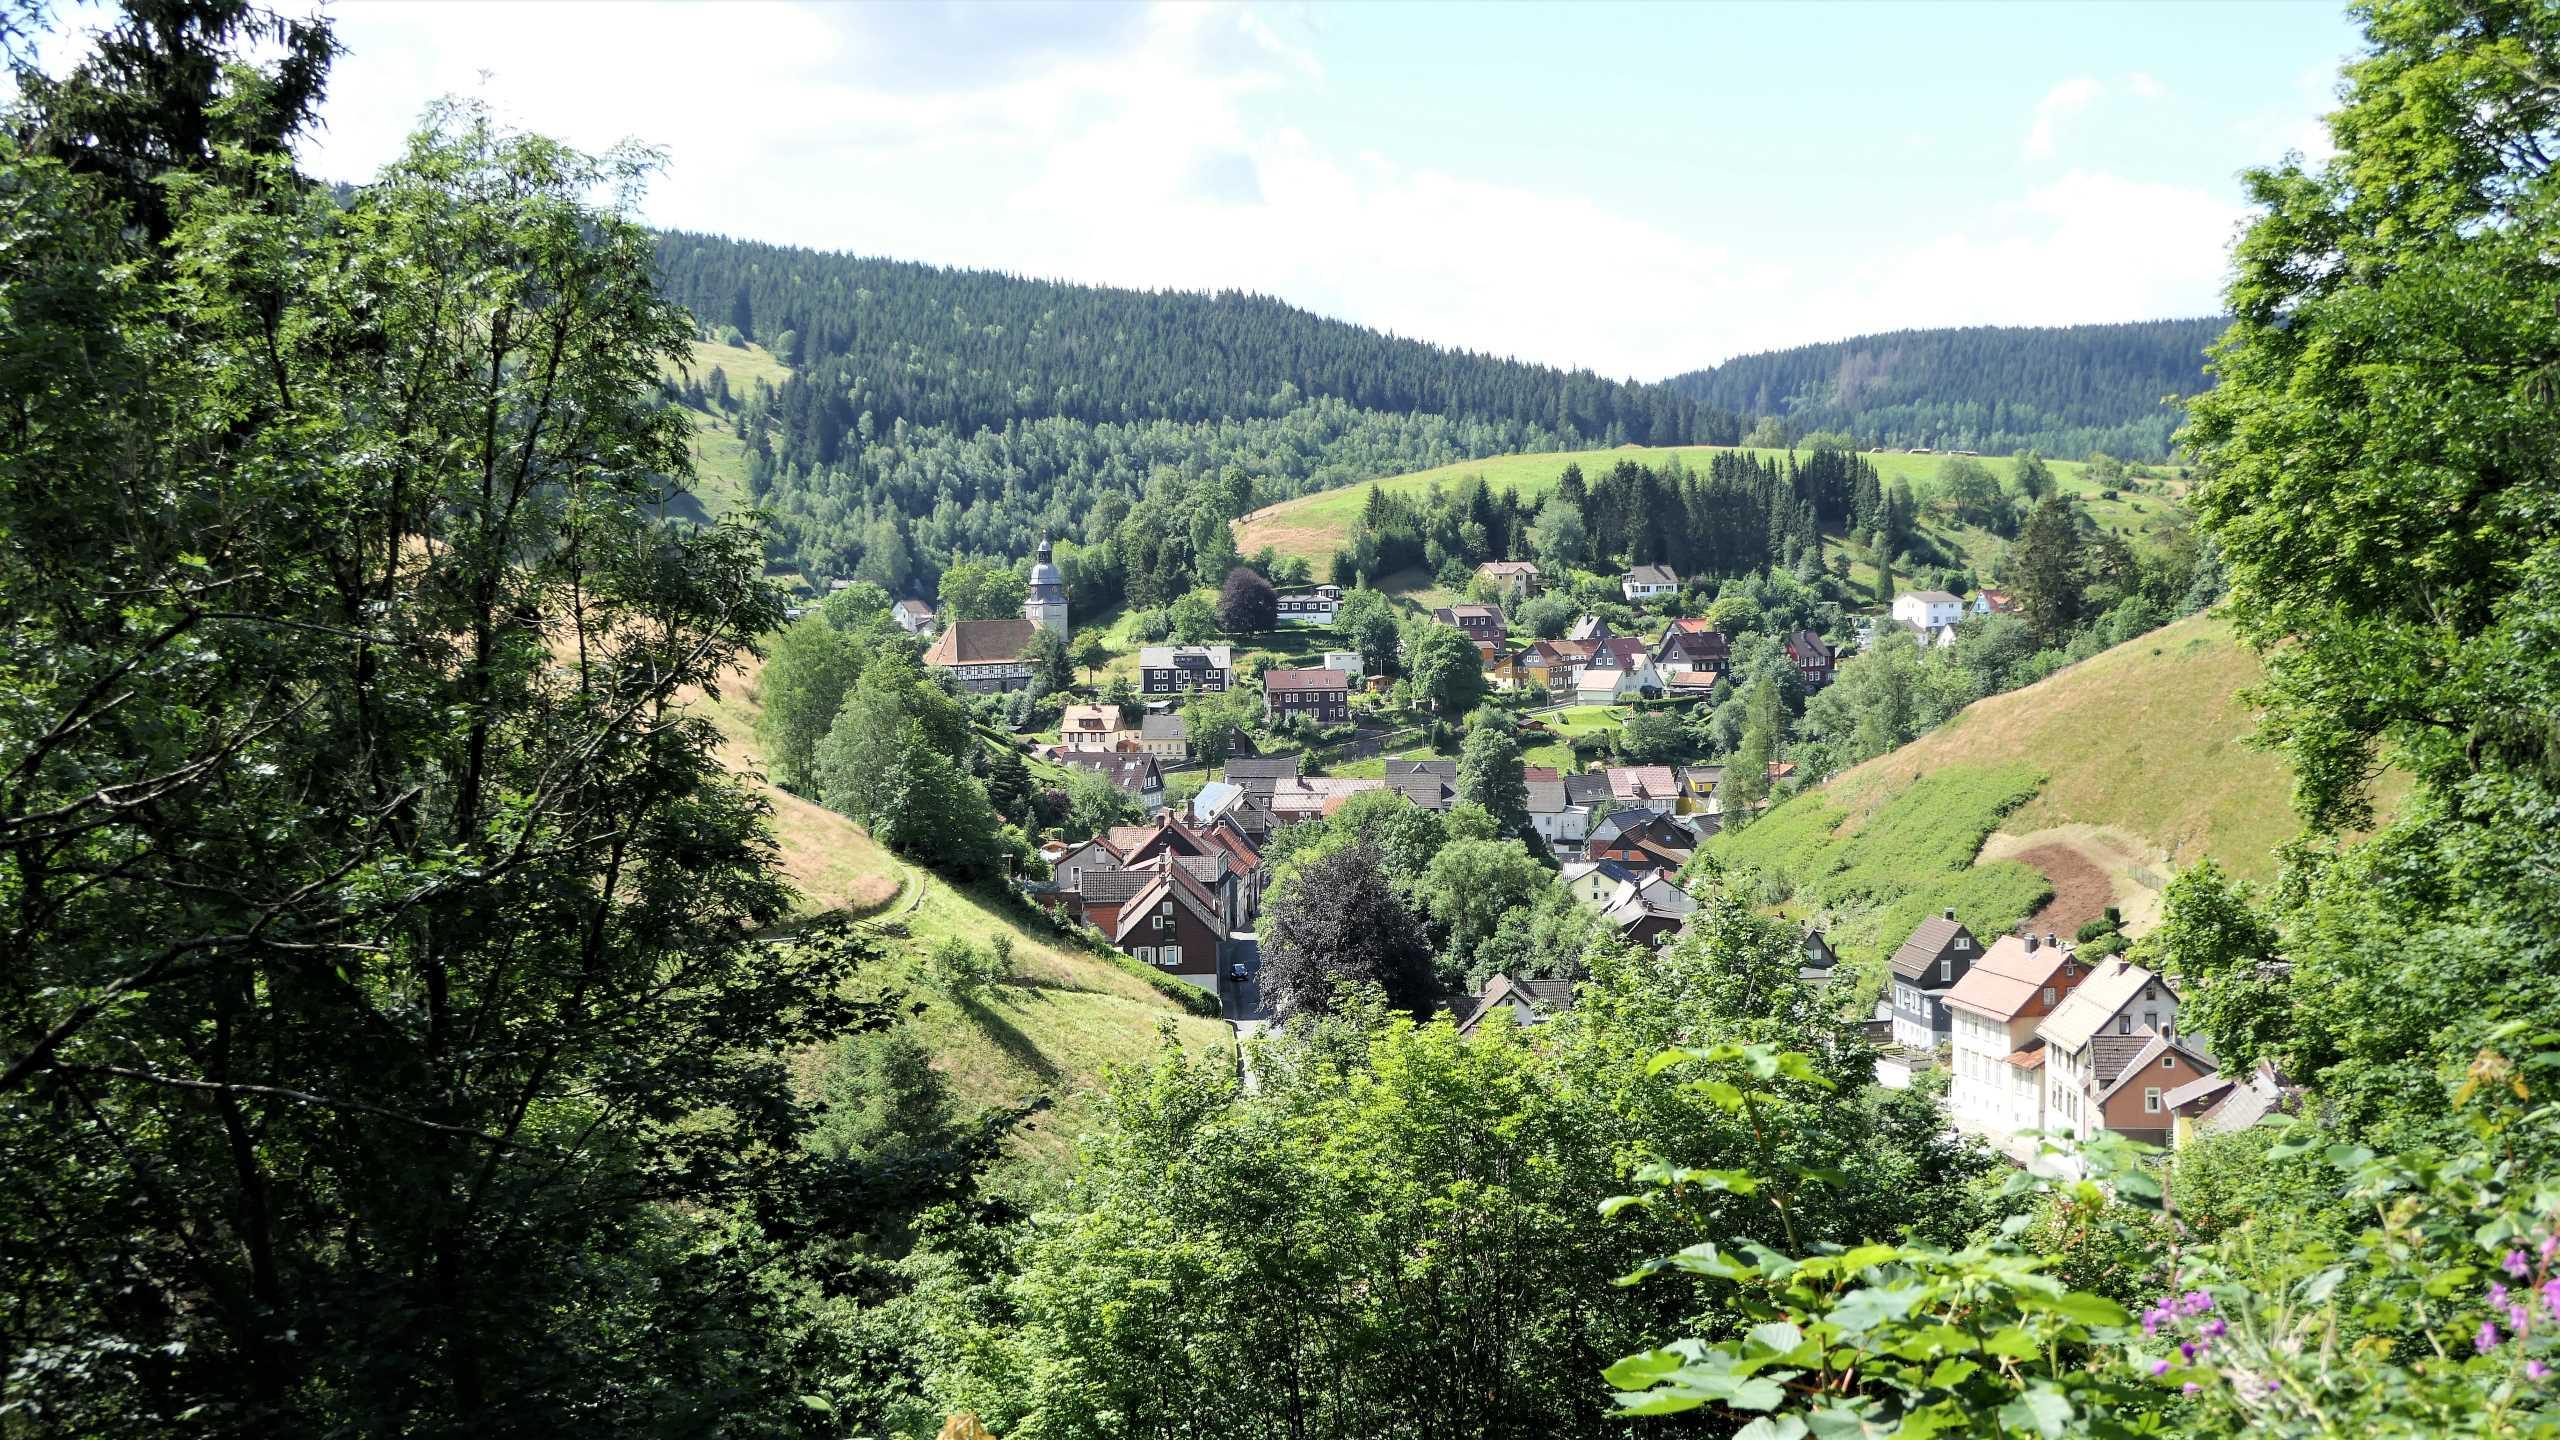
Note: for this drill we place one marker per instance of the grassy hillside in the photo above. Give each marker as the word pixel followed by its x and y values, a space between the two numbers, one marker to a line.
pixel 1051 1031
pixel 2084 790
pixel 1315 526
pixel 720 457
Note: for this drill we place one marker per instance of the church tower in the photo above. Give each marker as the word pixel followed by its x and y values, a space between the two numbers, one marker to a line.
pixel 1046 603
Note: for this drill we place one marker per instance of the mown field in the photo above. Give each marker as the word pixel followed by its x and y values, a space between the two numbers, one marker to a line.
pixel 1315 526
pixel 719 457
pixel 1053 1030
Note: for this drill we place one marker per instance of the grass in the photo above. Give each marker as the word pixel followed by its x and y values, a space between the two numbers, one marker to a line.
pixel 719 457
pixel 1054 1031
pixel 1315 526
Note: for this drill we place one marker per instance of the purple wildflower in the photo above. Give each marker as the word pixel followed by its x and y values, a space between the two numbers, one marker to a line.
pixel 2189 1388
pixel 2497 1293
pixel 2551 1297
pixel 2187 1352
pixel 2213 1328
pixel 2517 1265
pixel 2158 1315
pixel 2516 1318
pixel 2550 1246
pixel 2487 1339
pixel 2535 1370
pixel 2196 1302
pixel 2159 1367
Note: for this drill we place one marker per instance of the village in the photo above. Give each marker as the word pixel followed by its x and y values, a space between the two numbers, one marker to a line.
pixel 1215 748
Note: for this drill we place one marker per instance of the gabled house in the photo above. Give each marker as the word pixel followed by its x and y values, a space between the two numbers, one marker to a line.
pixel 1651 787
pixel 1172 923
pixel 1429 784
pixel 1180 669
pixel 1692 646
pixel 2113 1015
pixel 1551 664
pixel 1093 727
pixel 1555 817
pixel 1620 668
pixel 1588 627
pixel 1166 736
pixel 1996 1063
pixel 1647 910
pixel 984 656
pixel 1132 774
pixel 1513 579
pixel 1593 881
pixel 1925 967
pixel 1527 1001
pixel 1477 622
pixel 1649 582
pixel 913 616
pixel 2221 1103
pixel 1640 838
pixel 1819 958
pixel 1927 609
pixel 1698 788
pixel 1991 600
pixel 1321 695
pixel 1310 604
pixel 1813 658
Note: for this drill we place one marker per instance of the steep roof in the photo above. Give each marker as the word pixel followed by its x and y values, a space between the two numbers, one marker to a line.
pixel 1111 887
pixel 1931 597
pixel 1090 719
pixel 1588 627
pixel 1642 782
pixel 1445 769
pixel 1912 959
pixel 1546 796
pixel 1619 823
pixel 1536 998
pixel 1584 788
pixel 1805 645
pixel 2139 1060
pixel 913 609
pixel 1164 883
pixel 1127 771
pixel 2104 992
pixel 1164 727
pixel 981 642
pixel 1262 767
pixel 1319 679
pixel 1424 789
pixel 2008 978
pixel 1654 575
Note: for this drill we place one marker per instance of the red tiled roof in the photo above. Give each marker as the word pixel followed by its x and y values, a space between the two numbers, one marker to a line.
pixel 981 642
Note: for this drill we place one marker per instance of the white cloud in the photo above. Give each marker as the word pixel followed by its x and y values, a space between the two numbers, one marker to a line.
pixel 2064 100
pixel 2145 85
pixel 1153 147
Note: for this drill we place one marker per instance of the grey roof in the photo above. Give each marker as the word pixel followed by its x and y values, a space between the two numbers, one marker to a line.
pixel 1589 627
pixel 2088 1008
pixel 1546 797
pixel 1207 869
pixel 1931 597
pixel 1428 791
pixel 1164 727
pixel 1262 767
pixel 1609 870
pixel 1110 887
pixel 1911 960
pixel 2203 1087
pixel 1585 789
pixel 1654 575
pixel 1213 798
pixel 1619 822
pixel 1129 772
pixel 1534 999
pixel 1445 769
pixel 1186 657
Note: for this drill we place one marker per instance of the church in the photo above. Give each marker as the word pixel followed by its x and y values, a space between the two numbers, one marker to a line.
pixel 985 656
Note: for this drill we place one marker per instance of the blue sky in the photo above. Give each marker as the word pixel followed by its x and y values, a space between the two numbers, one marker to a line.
pixel 1637 188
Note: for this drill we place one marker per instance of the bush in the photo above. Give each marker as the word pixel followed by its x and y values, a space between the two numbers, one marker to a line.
pixel 2105 925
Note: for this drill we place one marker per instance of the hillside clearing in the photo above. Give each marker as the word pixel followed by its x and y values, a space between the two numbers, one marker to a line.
pixel 1314 526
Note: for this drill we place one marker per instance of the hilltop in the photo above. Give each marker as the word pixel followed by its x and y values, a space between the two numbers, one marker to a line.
pixel 1314 527
pixel 1052 1030
pixel 2062 389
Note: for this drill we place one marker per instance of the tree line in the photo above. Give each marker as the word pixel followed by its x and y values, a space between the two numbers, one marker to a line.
pixel 2065 390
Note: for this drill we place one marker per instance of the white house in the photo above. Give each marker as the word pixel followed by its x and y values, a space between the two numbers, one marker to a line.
pixel 1927 609
pixel 1346 661
pixel 1620 668
pixel 913 616
pixel 1646 582
pixel 2091 1038
pixel 1553 812
pixel 1310 604
pixel 1996 1063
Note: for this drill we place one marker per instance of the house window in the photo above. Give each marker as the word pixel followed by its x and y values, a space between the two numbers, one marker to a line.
pixel 2048 997
pixel 2151 1101
pixel 2124 1024
pixel 1963 944
pixel 1946 969
pixel 2168 1062
pixel 2150 1019
pixel 2150 992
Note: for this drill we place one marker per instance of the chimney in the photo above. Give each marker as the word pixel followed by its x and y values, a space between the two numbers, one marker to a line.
pixel 2031 942
pixel 1951 912
pixel 2051 939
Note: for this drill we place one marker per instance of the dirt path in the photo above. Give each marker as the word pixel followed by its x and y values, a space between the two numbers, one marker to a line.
pixel 2091 867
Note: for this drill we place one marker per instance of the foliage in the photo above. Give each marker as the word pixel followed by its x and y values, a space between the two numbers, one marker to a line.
pixel 1653 736
pixel 1332 919
pixel 1447 671
pixel 386 1046
pixel 1490 778
pixel 1469 889
pixel 1095 804
pixel 811 668
pixel 982 590
pixel 1367 623
pixel 1247 604
pixel 2063 390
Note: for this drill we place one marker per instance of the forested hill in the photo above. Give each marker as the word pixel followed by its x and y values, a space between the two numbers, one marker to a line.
pixel 978 348
pixel 2064 390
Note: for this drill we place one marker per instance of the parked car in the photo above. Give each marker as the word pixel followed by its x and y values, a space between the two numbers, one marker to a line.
pixel 1236 971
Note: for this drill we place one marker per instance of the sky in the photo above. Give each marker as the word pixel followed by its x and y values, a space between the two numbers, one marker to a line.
pixel 1638 189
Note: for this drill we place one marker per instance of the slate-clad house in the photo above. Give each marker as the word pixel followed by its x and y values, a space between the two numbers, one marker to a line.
pixel 1640 838
pixel 1813 657
pixel 1692 646
pixel 1925 968
pixel 1179 669
pixel 1528 1001
pixel 1322 695
pixel 1482 623
pixel 1428 784
pixel 1132 773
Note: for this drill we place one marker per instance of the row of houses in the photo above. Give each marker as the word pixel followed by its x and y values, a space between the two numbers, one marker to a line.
pixel 2037 1040
pixel 1172 893
pixel 1602 668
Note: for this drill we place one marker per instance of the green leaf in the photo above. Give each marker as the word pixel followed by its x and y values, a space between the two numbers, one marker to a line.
pixel 2043 1410
pixel 1862 1310
pixel 1652 1367
pixel 2012 1343
pixel 2083 1307
pixel 1952 1373
pixel 1772 1427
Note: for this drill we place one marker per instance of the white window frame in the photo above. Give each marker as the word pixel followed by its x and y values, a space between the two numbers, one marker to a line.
pixel 2151 1100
